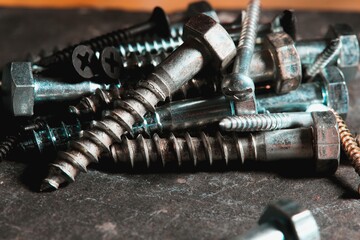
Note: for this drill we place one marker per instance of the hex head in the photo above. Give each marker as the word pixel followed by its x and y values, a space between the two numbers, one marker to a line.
pixel 337 95
pixel 215 42
pixel 18 88
pixel 326 142
pixel 294 221
pixel 349 55
pixel 202 7
pixel 286 60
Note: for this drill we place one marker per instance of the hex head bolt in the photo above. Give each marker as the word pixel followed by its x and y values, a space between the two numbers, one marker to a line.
pixel 205 41
pixel 238 84
pixel 22 89
pixel 158 23
pixel 329 90
pixel 284 220
pixel 320 144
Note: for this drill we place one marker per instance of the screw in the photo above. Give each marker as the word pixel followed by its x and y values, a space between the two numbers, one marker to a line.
pixel 284 219
pixel 7 145
pixel 300 143
pixel 266 122
pixel 158 22
pixel 216 46
pixel 324 59
pixel 238 84
pixel 331 91
pixel 95 103
pixel 49 138
pixel 22 89
pixel 84 61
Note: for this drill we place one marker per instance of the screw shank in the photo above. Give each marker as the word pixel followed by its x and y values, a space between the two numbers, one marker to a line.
pixel 265 231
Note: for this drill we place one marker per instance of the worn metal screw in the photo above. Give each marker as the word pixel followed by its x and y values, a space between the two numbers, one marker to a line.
pixel 324 58
pixel 158 22
pixel 300 143
pixel 205 41
pixel 266 122
pixel 238 84
pixel 284 219
pixel 7 145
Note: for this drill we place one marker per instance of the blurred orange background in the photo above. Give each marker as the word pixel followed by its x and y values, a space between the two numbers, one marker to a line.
pixel 170 6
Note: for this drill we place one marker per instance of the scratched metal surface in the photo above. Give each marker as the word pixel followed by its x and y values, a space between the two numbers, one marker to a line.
pixel 194 205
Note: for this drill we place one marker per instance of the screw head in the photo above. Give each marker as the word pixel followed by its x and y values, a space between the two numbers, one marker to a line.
pixel 83 58
pixel 110 62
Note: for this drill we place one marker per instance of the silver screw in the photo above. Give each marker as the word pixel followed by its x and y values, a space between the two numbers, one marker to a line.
pixel 170 75
pixel 324 58
pixel 266 122
pixel 238 84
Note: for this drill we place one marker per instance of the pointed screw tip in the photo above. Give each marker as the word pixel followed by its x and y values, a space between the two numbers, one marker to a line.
pixel 47 186
pixel 225 124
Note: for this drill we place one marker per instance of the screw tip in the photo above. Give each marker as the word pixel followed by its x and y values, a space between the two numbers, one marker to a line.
pixel 225 124
pixel 48 185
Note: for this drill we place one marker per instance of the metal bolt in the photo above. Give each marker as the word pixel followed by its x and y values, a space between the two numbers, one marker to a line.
pixel 324 58
pixel 330 91
pixel 205 41
pixel 284 219
pixel 319 143
pixel 21 89
pixel 158 22
pixel 238 84
pixel 267 122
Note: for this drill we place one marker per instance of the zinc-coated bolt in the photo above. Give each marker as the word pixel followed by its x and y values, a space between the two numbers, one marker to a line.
pixel 300 143
pixel 281 220
pixel 238 84
pixel 158 22
pixel 266 122
pixel 324 58
pixel 205 41
pixel 22 89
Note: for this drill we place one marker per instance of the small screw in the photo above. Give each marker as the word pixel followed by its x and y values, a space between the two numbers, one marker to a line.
pixel 110 62
pixel 83 60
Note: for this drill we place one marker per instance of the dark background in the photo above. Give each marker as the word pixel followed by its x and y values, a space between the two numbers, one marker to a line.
pixel 197 205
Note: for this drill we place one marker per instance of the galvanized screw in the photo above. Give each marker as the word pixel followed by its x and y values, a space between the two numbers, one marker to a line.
pixel 238 84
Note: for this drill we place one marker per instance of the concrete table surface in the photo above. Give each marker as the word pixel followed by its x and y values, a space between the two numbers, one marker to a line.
pixel 194 205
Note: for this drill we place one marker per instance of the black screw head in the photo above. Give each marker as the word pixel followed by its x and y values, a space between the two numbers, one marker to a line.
pixel 110 62
pixel 83 59
pixel 162 23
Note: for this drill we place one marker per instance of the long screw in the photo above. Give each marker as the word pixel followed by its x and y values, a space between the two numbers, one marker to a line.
pixel 266 122
pixel 218 150
pixel 348 144
pixel 166 78
pixel 158 22
pixel 324 58
pixel 239 85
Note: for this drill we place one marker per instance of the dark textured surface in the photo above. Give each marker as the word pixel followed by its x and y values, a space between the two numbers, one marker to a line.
pixel 203 205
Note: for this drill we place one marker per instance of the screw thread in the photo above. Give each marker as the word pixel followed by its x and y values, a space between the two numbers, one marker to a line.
pixel 7 145
pixel 154 46
pixel 324 58
pixel 256 122
pixel 102 134
pixel 348 142
pixel 182 150
pixel 196 87
pixel 134 61
pixel 249 27
pixel 96 103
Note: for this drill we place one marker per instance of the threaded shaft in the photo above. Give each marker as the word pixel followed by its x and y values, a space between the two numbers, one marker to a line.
pixel 7 145
pixel 134 61
pixel 324 58
pixel 348 143
pixel 96 103
pixel 248 37
pixel 256 122
pixel 198 87
pixel 154 46
pixel 184 150
pixel 266 122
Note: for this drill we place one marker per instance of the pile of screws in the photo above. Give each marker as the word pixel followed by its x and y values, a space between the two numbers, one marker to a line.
pixel 181 94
